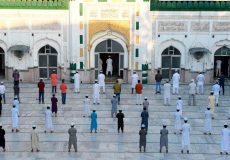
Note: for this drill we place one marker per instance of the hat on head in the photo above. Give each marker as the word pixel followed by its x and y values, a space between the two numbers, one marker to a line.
pixel 146 98
pixel 114 95
pixel 101 71
pixel 192 80
pixel 95 80
pixel 143 126
pixel 34 126
pixel 2 82
pixel 185 119
pixel 0 125
pixel 164 124
pixel 86 96
pixel 226 124
pixel 71 124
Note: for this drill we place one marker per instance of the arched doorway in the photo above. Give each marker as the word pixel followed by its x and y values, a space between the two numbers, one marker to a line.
pixel 2 62
pixel 170 61
pixel 222 54
pixel 113 49
pixel 47 56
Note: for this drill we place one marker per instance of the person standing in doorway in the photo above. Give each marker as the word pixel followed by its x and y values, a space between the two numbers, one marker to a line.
pixel 63 88
pixel 54 81
pixel 218 67
pixel 158 78
pixel 109 68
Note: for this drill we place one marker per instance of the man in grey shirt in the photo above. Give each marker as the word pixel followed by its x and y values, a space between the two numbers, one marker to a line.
pixel 72 137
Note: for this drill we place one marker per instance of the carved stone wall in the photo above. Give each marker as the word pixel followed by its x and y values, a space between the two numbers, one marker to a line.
pixel 200 26
pixel 221 26
pixel 172 26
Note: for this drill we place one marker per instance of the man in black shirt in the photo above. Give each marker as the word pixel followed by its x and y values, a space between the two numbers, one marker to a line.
pixel 120 124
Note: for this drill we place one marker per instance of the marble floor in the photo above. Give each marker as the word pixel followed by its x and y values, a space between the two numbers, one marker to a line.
pixel 107 144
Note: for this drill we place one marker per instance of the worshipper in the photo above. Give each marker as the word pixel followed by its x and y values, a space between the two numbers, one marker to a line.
pixel 224 145
pixel 93 121
pixel 2 91
pixel 134 81
pixel 144 118
pixel 216 92
pixel 109 68
pixel 139 89
pixel 15 115
pixel 54 108
pixel 34 139
pixel 221 81
pixel 96 93
pixel 158 78
pixel 63 88
pixel 167 93
pixel 48 120
pixel 77 81
pixel 192 93
pixel 164 138
pixel 179 104
pixel 120 122
pixel 142 140
pixel 208 121
pixel 16 77
pixel 86 106
pixel 72 137
pixel 146 104
pixel 0 106
pixel 54 81
pixel 211 103
pixel 178 118
pixel 41 87
pixel 2 138
pixel 176 80
pixel 117 90
pixel 16 92
pixel 114 103
pixel 16 104
pixel 200 83
pixel 101 81
pixel 218 67
pixel 186 128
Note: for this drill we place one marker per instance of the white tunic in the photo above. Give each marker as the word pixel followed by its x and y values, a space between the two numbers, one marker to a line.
pixel 208 121
pixel 48 119
pixel 225 139
pixel 134 80
pixel 176 79
pixel 200 79
pixel 192 88
pixel 2 89
pixel 109 63
pixel 101 79
pixel 87 106
pixel 14 114
pixel 218 64
pixel 179 105
pixel 17 104
pixel 186 135
pixel 216 89
pixel 96 90
pixel 77 80
pixel 178 117
pixel 167 88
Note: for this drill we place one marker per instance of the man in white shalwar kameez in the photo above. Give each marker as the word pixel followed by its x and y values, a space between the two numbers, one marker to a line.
pixel 77 81
pixel 15 115
pixel 101 81
pixel 109 68
pixel 16 103
pixel 208 121
pixel 216 92
pixel 178 125
pixel 134 81
pixel 34 139
pixel 225 133
pixel 48 120
pixel 175 81
pixel 96 93
pixel 179 104
pixel 86 106
pixel 200 83
pixel 167 93
pixel 186 128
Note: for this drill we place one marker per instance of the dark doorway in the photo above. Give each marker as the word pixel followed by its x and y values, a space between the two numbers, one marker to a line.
pixel 115 58
pixel 2 62
pixel 224 64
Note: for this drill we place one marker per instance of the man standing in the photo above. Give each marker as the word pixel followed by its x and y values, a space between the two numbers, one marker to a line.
pixel 139 88
pixel 2 91
pixel 146 104
pixel 16 104
pixel 211 103
pixel 167 93
pixel 178 126
pixel 200 83
pixel 41 87
pixel 208 121
pixel 96 93
pixel 2 138
pixel 164 138
pixel 221 81
pixel 72 137
pixel 225 139
pixel 179 104
pixel 77 81
pixel 101 80
pixel 186 136
pixel 134 81
pixel 93 121
pixel 158 78
pixel 216 91
pixel 15 115
pixel 17 92
pixel 86 106
pixel 54 108
pixel 218 67
pixel 54 81
pixel 63 88
pixel 120 122
pixel 0 106
pixel 145 118
pixel 48 120
pixel 34 139
pixel 192 93
pixel 117 90
pixel 16 77
pixel 176 80
pixel 114 103
pixel 109 68
pixel 142 140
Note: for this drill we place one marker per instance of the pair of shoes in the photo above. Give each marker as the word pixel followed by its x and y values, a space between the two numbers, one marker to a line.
pixel 17 130
pixel 221 153
pixel 31 150
pixel 209 133
pixel 69 150
pixel 12 130
pixel 167 151
pixel 226 153
pixel 160 150
pixel 51 131
pixel 43 102
pixel 205 133
pixel 140 104
pixel 187 151
pixel 136 104
pixel 44 131
pixel 181 151
pixel 38 150
pixel 4 150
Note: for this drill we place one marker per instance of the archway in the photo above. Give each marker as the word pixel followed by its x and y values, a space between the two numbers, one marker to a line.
pixel 170 61
pixel 47 57
pixel 2 62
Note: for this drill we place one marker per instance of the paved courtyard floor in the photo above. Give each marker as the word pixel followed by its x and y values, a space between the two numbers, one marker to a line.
pixel 107 144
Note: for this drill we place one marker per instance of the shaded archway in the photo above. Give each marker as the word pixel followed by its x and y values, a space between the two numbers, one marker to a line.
pixel 2 62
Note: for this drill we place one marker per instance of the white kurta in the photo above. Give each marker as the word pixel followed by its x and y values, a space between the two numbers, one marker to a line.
pixel 216 90
pixel 48 120
pixel 208 121
pixel 167 93
pixel 225 140
pixel 134 80
pixel 14 114
pixel 218 64
pixel 17 104
pixel 186 136
pixel 109 67
pixel 178 117
pixel 179 105
pixel 200 79
pixel 96 93
pixel 101 81
pixel 175 81
pixel 87 106
pixel 77 81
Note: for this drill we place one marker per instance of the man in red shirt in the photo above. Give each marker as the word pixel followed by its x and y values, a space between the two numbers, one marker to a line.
pixel 41 87
pixel 139 88
pixel 63 88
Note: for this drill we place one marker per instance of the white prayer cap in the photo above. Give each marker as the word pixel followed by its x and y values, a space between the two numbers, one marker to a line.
pixel 101 71
pixel 226 124
pixel 95 80
pixel 192 80
pixel 164 124
pixel 2 82
pixel 143 126
pixel 185 119
pixel 72 124
pixel 114 95
pixel 0 125
pixel 146 98
pixel 34 126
